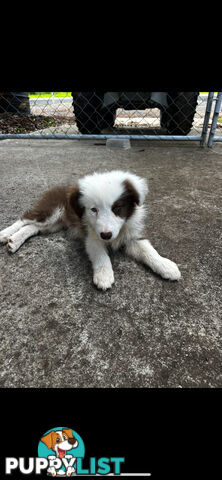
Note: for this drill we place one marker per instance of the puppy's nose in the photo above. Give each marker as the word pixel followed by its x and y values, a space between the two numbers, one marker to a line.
pixel 72 440
pixel 106 236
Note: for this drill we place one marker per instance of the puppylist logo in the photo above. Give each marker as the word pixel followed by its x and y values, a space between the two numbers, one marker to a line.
pixel 61 452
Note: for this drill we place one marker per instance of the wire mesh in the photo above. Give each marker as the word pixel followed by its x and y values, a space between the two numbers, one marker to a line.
pixel 151 115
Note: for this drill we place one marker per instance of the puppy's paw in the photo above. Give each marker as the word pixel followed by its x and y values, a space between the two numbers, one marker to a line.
pixel 51 472
pixel 12 246
pixel 3 237
pixel 103 278
pixel 169 270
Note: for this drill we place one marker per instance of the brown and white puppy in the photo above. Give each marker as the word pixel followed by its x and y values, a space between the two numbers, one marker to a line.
pixel 103 209
pixel 60 442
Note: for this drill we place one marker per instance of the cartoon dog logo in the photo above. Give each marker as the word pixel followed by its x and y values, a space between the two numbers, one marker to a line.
pixel 60 441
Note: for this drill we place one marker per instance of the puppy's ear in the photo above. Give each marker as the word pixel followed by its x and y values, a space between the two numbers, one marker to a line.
pixel 130 192
pixel 73 199
pixel 47 439
pixel 68 432
pixel 137 188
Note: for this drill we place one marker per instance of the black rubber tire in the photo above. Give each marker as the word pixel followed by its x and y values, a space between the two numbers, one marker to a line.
pixel 90 117
pixel 107 117
pixel 178 117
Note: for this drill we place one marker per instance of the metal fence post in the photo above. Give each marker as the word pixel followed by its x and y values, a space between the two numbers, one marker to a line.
pixel 215 118
pixel 206 118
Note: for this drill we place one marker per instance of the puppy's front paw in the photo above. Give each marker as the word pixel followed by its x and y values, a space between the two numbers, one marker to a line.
pixel 3 237
pixel 169 270
pixel 103 278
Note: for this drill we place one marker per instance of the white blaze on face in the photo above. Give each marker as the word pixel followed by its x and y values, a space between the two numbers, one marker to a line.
pixel 63 445
pixel 99 192
pixel 104 220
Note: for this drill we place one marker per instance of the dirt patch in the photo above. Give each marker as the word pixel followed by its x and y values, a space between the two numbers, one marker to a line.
pixel 17 123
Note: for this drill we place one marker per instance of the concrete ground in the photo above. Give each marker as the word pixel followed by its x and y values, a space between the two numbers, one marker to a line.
pixel 58 330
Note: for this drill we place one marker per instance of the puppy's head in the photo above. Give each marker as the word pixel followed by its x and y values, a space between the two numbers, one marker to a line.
pixel 60 441
pixel 108 200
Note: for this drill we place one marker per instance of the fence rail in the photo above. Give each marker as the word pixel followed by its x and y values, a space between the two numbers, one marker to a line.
pixel 172 116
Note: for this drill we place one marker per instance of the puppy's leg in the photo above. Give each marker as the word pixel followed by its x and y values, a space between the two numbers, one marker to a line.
pixel 45 216
pixel 102 268
pixel 17 239
pixel 7 232
pixel 70 469
pixel 143 251
pixel 52 470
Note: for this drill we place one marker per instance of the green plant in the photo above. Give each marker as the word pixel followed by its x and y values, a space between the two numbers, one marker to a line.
pixel 49 123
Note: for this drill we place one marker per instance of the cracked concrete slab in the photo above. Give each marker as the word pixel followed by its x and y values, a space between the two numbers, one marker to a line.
pixel 58 330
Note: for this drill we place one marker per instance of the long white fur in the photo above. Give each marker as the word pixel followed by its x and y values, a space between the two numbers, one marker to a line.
pixel 100 191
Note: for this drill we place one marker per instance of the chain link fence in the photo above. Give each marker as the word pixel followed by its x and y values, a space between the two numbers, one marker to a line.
pixel 103 115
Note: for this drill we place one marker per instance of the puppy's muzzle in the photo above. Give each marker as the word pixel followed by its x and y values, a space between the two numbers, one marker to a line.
pixel 106 236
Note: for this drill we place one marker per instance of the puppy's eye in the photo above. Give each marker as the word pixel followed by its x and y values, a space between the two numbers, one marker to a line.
pixel 65 437
pixel 94 210
pixel 58 440
pixel 116 210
